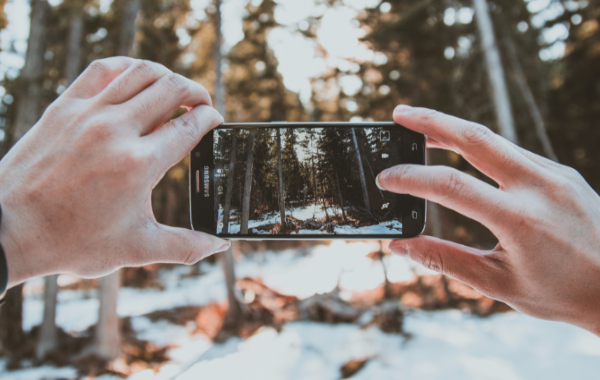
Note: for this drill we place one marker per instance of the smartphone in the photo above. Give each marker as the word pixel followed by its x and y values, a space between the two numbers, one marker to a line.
pixel 267 181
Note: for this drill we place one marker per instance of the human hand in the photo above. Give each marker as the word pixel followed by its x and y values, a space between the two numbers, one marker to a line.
pixel 545 216
pixel 75 190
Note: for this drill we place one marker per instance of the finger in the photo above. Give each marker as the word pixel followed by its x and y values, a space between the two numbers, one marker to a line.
pixel 97 76
pixel 450 188
pixel 433 143
pixel 174 140
pixel 134 80
pixel 481 270
pixel 491 154
pixel 164 244
pixel 157 103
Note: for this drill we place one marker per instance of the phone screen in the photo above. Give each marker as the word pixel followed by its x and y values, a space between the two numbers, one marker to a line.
pixel 305 181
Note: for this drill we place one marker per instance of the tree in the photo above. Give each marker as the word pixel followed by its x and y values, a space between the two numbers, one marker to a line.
pixel 247 185
pixel 29 110
pixel 29 97
pixel 495 70
pixel 107 337
pixel 230 184
pixel 281 191
pixel 48 338
pixel 361 173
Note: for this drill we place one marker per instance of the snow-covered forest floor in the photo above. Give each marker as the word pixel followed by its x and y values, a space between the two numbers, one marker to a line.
pixel 447 344
pixel 311 219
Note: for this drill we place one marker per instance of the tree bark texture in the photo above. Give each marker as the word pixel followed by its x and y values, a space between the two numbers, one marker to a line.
pixel 361 172
pixel 229 192
pixel 281 193
pixel 495 70
pixel 247 185
pixel 29 97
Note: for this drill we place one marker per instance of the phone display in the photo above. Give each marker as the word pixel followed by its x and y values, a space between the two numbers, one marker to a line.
pixel 303 180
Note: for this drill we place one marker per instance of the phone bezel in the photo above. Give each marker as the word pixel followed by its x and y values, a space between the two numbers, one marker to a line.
pixel 202 156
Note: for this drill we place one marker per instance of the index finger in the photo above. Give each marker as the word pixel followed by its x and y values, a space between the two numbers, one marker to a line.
pixel 493 155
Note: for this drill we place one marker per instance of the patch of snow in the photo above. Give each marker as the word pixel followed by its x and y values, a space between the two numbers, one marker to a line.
pixel 313 211
pixel 286 271
pixel 37 373
pixel 444 345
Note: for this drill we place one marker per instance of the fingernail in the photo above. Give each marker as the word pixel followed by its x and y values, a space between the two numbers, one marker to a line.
pixel 224 247
pixel 402 108
pixel 382 177
pixel 400 249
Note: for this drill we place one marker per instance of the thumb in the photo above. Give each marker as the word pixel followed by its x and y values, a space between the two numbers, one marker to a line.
pixel 482 270
pixel 174 140
pixel 181 246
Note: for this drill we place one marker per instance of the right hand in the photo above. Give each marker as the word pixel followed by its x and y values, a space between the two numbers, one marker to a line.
pixel 76 189
pixel 545 216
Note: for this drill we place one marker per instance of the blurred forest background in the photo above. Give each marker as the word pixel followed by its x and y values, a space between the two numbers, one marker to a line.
pixel 528 69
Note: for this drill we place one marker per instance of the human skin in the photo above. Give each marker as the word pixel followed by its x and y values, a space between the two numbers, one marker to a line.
pixel 76 189
pixel 545 216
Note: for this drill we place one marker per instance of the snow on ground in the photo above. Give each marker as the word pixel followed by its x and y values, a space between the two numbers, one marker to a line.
pixel 313 211
pixel 300 275
pixel 444 344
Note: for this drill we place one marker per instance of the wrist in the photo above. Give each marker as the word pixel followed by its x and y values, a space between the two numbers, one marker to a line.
pixel 17 249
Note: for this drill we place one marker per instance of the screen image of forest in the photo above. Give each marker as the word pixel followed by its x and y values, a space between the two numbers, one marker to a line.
pixel 310 181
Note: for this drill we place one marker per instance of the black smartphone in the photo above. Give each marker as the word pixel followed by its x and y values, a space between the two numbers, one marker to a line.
pixel 259 181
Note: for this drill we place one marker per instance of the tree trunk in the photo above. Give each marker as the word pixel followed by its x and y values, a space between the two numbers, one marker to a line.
pixel 11 323
pixel 247 185
pixel 74 52
pixel 107 339
pixel 322 192
pixel 361 172
pixel 387 291
pixel 127 43
pixel 339 191
pixel 217 55
pixel 324 202
pixel 29 96
pixel 48 337
pixel 498 88
pixel 281 195
pixel 229 192
pixel 234 312
pixel 534 110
